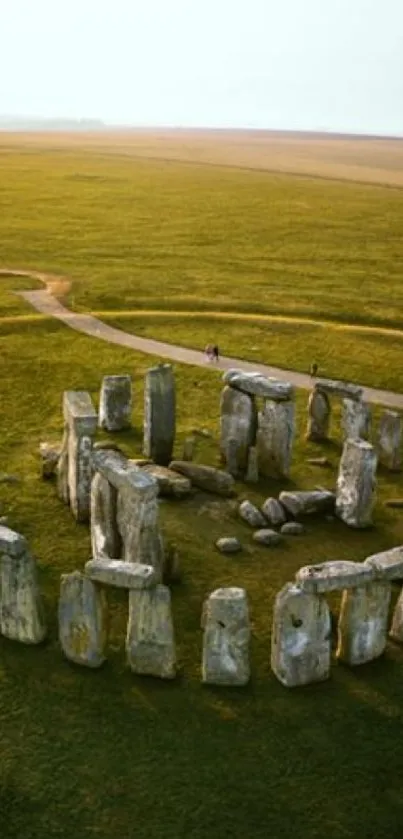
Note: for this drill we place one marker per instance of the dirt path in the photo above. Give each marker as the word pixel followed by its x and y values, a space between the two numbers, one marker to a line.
pixel 44 302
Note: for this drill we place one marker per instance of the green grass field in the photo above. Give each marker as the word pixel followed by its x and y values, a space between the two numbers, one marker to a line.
pixel 106 754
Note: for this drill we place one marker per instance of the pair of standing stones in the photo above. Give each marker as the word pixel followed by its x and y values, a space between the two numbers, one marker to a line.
pixel 256 442
pixel 301 635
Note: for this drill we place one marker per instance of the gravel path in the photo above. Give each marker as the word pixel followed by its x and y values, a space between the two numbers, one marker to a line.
pixel 44 302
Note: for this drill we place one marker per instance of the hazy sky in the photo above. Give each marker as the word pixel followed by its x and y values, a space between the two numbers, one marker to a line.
pixel 302 64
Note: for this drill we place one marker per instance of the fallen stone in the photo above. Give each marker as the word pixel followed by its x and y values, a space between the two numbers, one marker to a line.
pixel 120 574
pixel 249 513
pixel 363 623
pixel 252 472
pixel 319 461
pixel 333 576
pixel 356 419
pixel 109 445
pixel 337 388
pixel 394 502
pixel 82 620
pixel 226 638
pixel 106 541
pixel 267 537
pixel 301 637
pixel 206 477
pixel 170 483
pixel 292 528
pixel 49 453
pixel 355 496
pixel 387 565
pixel 275 437
pixel 273 512
pixel 228 545
pixel 21 606
pixel 115 403
pixel 319 411
pixel 238 421
pixel 159 414
pixel 150 642
pixel 258 385
pixel 389 440
pixel 307 503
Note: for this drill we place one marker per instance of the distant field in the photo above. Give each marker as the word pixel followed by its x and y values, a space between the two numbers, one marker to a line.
pixel 354 158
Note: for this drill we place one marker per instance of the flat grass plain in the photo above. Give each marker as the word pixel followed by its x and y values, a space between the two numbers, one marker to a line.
pixel 106 753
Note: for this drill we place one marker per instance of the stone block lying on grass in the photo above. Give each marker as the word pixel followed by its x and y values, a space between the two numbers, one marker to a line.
pixel 207 478
pixel 306 503
pixel 273 511
pixel 249 513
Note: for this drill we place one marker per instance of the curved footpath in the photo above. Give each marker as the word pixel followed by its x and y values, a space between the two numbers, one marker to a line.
pixel 44 302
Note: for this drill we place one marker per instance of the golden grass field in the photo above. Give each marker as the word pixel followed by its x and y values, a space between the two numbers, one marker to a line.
pixel 353 158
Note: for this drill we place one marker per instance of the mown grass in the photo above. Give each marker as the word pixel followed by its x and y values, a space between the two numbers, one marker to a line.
pixel 105 753
pixel 339 352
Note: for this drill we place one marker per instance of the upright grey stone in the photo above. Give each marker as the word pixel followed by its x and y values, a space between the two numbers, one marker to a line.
pixel 301 646
pixel 62 468
pixel 363 623
pixel 396 630
pixel 355 496
pixel 355 419
pixel 115 403
pixel 150 641
pixel 159 414
pixel 82 620
pixel 275 436
pixel 136 509
pixel 21 607
pixel 105 537
pixel 390 440
pixel 238 424
pixel 226 638
pixel 252 472
pixel 81 421
pixel 319 411
pixel 189 447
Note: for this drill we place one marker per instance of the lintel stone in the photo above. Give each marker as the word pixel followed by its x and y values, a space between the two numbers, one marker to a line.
pixel 333 576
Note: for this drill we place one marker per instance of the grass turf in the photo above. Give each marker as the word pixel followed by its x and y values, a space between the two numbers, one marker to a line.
pixel 103 753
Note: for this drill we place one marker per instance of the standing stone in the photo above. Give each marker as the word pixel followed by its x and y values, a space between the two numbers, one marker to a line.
pixel 21 608
pixel 115 403
pixel 136 509
pixel 226 638
pixel 81 419
pixel 159 414
pixel 396 630
pixel 189 447
pixel 389 440
pixel 363 623
pixel 319 411
pixel 105 537
pixel 355 496
pixel 356 419
pixel 238 423
pixel 150 642
pixel 82 620
pixel 252 472
pixel 275 438
pixel 62 468
pixel 301 644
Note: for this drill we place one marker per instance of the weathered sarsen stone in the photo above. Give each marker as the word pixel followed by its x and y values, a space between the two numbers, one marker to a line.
pixel 335 575
pixel 300 503
pixel 390 440
pixel 21 607
pixel 82 620
pixel 319 411
pixel 81 422
pixel 257 384
pixel 206 477
pixel 121 574
pixel 170 483
pixel 300 648
pixel 115 403
pixel 363 623
pixel 356 483
pixel 238 422
pixel 150 641
pixel 105 537
pixel 356 419
pixel 159 414
pixel 275 437
pixel 226 638
pixel 251 514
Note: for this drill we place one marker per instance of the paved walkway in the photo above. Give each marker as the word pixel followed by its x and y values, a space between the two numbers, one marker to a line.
pixel 45 303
